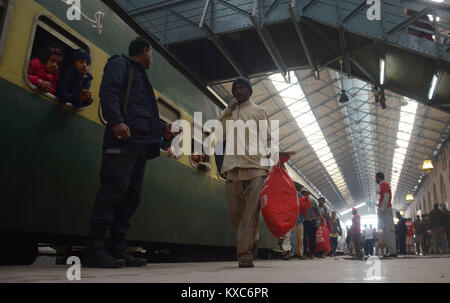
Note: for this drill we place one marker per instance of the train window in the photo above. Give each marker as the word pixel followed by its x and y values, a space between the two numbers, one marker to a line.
pixel 49 35
pixel 167 114
pixel 201 162
pixel 6 7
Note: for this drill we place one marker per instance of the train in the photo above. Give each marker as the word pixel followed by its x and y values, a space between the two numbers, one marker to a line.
pixel 51 152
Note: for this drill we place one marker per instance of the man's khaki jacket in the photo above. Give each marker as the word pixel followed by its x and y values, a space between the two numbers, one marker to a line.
pixel 245 112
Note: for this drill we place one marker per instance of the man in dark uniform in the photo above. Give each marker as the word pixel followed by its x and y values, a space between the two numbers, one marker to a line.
pixel 132 136
pixel 401 226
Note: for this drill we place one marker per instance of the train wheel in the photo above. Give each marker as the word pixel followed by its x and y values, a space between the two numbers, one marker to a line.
pixel 18 250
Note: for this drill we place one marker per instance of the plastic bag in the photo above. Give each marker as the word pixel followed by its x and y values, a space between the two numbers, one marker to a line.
pixel 279 200
pixel 323 238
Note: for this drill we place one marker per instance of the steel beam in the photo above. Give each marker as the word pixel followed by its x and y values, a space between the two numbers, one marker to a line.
pixel 269 45
pixel 220 46
pixel 309 5
pixel 410 20
pixel 152 7
pixel 301 36
pixel 235 8
pixel 271 8
pixel 355 11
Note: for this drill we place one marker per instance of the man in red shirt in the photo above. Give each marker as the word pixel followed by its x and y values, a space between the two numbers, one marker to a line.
pixel 385 215
pixel 355 232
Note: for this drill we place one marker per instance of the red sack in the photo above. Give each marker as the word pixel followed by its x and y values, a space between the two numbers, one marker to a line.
pixel 323 238
pixel 279 200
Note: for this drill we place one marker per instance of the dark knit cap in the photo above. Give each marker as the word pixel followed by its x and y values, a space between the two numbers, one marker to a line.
pixel 81 55
pixel 245 82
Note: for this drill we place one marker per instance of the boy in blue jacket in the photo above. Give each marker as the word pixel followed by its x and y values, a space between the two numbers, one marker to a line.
pixel 75 81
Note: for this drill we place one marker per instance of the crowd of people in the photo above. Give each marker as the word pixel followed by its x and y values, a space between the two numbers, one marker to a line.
pixel 427 235
pixel 301 241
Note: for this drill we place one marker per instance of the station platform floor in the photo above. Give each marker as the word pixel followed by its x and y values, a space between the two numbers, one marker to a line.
pixel 417 269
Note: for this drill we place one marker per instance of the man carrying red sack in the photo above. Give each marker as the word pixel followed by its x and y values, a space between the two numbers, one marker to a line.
pixel 244 174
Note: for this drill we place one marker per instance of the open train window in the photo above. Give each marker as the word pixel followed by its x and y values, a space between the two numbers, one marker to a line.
pixel 167 114
pixel 48 34
pixel 6 7
pixel 201 162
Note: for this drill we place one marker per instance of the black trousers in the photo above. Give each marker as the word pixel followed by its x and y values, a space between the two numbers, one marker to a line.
pixel 402 244
pixel 122 175
pixel 333 242
pixel 309 238
pixel 368 247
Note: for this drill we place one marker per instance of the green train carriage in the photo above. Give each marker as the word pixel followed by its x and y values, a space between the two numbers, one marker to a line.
pixel 51 153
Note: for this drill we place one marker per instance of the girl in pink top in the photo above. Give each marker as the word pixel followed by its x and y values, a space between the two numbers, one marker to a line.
pixel 43 72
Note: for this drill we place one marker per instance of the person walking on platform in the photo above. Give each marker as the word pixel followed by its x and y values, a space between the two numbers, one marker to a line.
pixel 401 233
pixel 244 174
pixel 348 242
pixel 299 229
pixel 420 230
pixel 310 227
pixel 427 247
pixel 355 232
pixel 446 221
pixel 132 136
pixel 438 233
pixel 368 237
pixel 410 231
pixel 385 215
pixel 337 232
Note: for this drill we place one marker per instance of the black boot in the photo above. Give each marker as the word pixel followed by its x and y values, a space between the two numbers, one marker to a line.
pixel 97 256
pixel 118 249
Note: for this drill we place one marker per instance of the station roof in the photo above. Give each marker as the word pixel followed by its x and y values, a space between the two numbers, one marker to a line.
pixel 300 55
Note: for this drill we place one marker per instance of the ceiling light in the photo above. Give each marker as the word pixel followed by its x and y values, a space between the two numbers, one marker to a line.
pixel 344 97
pixel 409 197
pixel 433 87
pixel 350 209
pixel 382 71
pixel 405 127
pixel 295 100
pixel 427 166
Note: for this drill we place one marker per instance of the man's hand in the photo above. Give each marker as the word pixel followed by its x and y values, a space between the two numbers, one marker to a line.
pixel 168 134
pixel 45 86
pixel 121 132
pixel 85 96
pixel 170 153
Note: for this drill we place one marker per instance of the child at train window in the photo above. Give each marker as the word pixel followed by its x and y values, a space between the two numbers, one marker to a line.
pixel 43 72
pixel 73 87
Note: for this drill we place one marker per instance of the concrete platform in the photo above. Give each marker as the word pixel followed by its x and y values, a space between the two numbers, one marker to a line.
pixel 329 270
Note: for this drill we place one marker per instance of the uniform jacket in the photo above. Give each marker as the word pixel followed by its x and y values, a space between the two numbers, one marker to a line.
pixel 70 85
pixel 246 112
pixel 37 73
pixel 142 115
pixel 437 218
